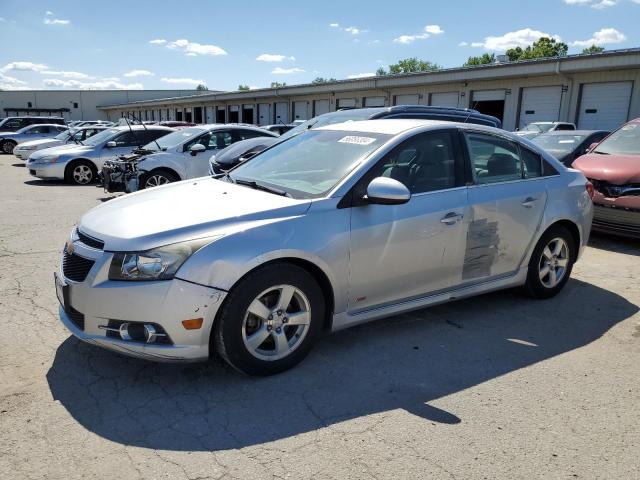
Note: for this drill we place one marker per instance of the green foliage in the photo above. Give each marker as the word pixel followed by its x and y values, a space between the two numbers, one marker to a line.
pixel 243 88
pixel 483 59
pixel 323 80
pixel 544 47
pixel 381 72
pixel 593 49
pixel 408 65
pixel 278 84
pixel 202 87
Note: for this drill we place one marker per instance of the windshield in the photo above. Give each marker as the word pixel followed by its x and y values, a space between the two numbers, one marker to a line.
pixel 25 129
pixel 538 127
pixel 561 143
pixel 98 138
pixel 174 139
pixel 625 141
pixel 63 135
pixel 328 119
pixel 311 164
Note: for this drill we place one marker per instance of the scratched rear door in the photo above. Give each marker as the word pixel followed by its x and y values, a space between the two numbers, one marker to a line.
pixel 506 204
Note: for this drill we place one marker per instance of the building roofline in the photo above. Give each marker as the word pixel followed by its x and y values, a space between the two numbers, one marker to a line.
pixel 446 75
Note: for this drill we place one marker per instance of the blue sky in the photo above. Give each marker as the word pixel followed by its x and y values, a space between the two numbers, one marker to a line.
pixel 177 44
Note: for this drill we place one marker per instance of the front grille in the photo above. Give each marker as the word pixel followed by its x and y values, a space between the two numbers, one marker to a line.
pixel 611 190
pixel 76 317
pixel 74 267
pixel 90 241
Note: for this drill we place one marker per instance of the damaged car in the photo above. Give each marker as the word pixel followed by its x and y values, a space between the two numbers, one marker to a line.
pixel 332 228
pixel 178 156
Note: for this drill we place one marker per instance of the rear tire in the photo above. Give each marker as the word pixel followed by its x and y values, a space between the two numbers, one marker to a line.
pixel 270 320
pixel 8 146
pixel 158 177
pixel 81 172
pixel 551 263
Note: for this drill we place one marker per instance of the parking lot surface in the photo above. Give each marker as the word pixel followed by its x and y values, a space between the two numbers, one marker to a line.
pixel 497 386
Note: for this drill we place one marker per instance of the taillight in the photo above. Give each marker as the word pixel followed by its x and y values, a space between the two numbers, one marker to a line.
pixel 591 191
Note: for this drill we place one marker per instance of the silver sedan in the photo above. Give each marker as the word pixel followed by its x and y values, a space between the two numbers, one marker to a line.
pixel 9 140
pixel 335 227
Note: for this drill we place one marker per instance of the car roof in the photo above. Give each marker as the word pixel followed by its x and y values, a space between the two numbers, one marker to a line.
pixel 387 126
pixel 57 125
pixel 141 127
pixel 560 133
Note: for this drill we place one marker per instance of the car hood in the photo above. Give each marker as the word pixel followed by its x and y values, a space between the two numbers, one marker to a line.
pixel 41 143
pixel 183 211
pixel 71 149
pixel 616 169
pixel 9 134
pixel 527 134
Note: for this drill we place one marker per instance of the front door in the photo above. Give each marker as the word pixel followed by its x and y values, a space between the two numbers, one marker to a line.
pixel 198 165
pixel 410 250
pixel 506 202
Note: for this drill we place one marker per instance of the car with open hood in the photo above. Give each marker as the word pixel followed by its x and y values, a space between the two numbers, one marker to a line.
pixel 75 136
pixel 331 228
pixel 613 166
pixel 9 140
pixel 79 163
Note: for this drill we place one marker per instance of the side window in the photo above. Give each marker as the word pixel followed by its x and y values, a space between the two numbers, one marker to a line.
pixel 90 133
pixel 220 140
pixel 127 139
pixel 244 134
pixel 39 129
pixel 424 163
pixel 147 136
pixel 532 163
pixel 15 123
pixel 564 127
pixel 493 159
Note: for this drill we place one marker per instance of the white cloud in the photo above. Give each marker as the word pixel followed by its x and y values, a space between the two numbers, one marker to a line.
pixel 11 83
pixel 362 75
pixel 49 20
pixel 24 67
pixel 336 25
pixel 597 4
pixel 138 73
pixel 602 37
pixel 157 41
pixel 102 84
pixel 183 81
pixel 353 30
pixel 269 57
pixel 286 71
pixel 66 74
pixel 2 19
pixel 427 32
pixel 193 49
pixel 519 38
pixel 463 44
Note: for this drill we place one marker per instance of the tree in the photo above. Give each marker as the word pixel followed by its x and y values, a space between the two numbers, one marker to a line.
pixel 483 59
pixel 381 72
pixel 409 65
pixel 593 49
pixel 278 85
pixel 544 47
pixel 243 88
pixel 323 80
pixel 202 87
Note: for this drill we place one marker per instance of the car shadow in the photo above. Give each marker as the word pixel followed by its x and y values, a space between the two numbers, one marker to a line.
pixel 403 362
pixel 18 164
pixel 614 243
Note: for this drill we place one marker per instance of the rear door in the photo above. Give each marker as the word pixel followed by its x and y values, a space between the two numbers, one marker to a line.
pixel 507 200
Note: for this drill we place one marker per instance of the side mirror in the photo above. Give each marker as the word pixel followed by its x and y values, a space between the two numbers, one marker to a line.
pixel 387 191
pixel 592 146
pixel 111 144
pixel 197 148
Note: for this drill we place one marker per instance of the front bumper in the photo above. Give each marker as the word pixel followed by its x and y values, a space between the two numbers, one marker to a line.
pixel 99 300
pixel 47 170
pixel 22 154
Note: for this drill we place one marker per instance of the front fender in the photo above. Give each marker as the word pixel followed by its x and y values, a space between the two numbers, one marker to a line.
pixel 163 160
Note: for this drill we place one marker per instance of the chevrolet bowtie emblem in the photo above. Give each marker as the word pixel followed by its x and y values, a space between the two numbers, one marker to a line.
pixel 70 247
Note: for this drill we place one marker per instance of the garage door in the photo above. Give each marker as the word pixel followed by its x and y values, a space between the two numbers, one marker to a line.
pixel 604 106
pixel 448 99
pixel 320 107
pixel 406 99
pixel 300 111
pixel 374 101
pixel 264 114
pixel 282 112
pixel 346 103
pixel 540 104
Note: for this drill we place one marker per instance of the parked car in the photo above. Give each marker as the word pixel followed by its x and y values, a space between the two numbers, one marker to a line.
pixel 73 136
pixel 279 128
pixel 534 129
pixel 613 166
pixel 338 226
pixel 79 164
pixel 567 145
pixel 8 140
pixel 353 114
pixel 12 124
pixel 178 156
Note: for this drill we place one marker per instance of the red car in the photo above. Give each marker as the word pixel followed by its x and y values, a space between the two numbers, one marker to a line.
pixel 613 166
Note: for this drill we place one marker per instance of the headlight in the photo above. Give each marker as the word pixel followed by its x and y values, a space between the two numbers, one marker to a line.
pixel 160 263
pixel 49 159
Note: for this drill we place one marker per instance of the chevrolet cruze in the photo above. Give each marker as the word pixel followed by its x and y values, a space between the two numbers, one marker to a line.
pixel 334 227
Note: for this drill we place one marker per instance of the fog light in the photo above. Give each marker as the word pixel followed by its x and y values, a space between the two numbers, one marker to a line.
pixel 193 324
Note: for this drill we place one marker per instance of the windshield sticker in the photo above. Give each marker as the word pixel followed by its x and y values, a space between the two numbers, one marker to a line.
pixel 567 141
pixel 357 140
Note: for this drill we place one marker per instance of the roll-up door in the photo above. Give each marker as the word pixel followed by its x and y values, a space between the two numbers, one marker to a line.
pixel 604 106
pixel 282 112
pixel 446 99
pixel 540 104
pixel 320 107
pixel 406 99
pixel 346 103
pixel 300 110
pixel 374 101
pixel 264 114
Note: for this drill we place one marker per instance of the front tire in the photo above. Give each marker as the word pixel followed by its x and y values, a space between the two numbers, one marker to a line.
pixel 551 263
pixel 156 178
pixel 8 146
pixel 270 320
pixel 81 172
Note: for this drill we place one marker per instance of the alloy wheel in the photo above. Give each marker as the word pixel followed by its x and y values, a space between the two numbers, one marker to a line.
pixel 155 181
pixel 7 147
pixel 276 322
pixel 553 262
pixel 82 174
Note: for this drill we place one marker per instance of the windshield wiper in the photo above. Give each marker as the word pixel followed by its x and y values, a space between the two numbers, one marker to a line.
pixel 259 186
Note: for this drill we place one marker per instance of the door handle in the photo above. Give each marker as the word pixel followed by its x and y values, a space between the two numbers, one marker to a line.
pixel 529 202
pixel 451 218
